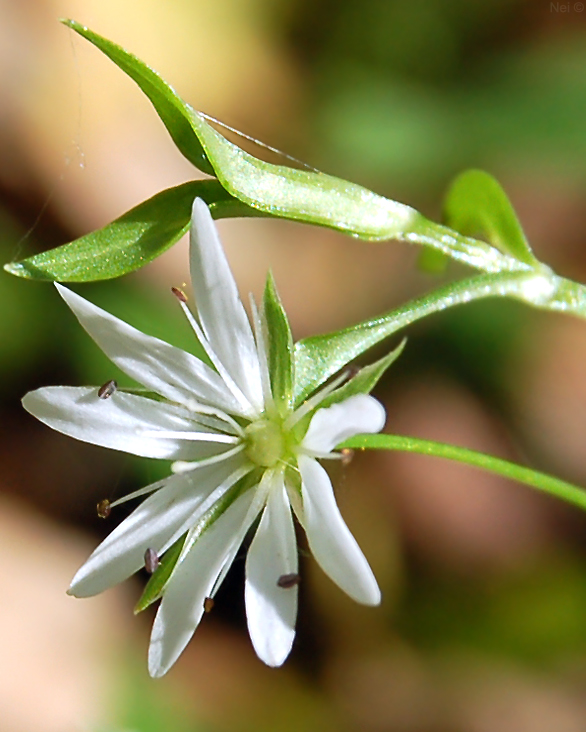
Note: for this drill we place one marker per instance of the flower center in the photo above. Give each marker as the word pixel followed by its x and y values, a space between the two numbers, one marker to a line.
pixel 265 443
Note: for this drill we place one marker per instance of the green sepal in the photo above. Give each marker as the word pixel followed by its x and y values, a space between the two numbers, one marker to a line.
pixel 279 341
pixel 365 380
pixel 176 115
pixel 132 240
pixel 476 205
pixel 541 481
pixel 158 581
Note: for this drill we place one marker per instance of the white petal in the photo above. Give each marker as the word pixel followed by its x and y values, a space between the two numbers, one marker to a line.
pixel 171 372
pixel 329 538
pixel 126 422
pixel 261 349
pixel 271 610
pixel 192 581
pixel 156 523
pixel 332 425
pixel 219 307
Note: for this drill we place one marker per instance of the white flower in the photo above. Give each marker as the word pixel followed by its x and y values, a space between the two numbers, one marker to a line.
pixel 241 451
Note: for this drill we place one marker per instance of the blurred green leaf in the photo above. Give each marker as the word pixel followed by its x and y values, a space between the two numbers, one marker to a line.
pixel 535 613
pixel 477 206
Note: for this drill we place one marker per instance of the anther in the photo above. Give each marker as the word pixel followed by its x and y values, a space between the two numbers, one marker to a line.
pixel 103 508
pixel 347 454
pixel 208 604
pixel 179 294
pixel 286 581
pixel 351 372
pixel 151 560
pixel 106 390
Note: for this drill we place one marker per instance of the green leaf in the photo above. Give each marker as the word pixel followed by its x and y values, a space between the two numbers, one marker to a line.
pixel 176 115
pixel 476 205
pixel 317 198
pixel 365 380
pixel 158 581
pixel 276 190
pixel 301 195
pixel 279 347
pixel 319 357
pixel 543 482
pixel 132 240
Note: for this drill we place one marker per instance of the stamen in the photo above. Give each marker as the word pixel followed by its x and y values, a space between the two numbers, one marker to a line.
pixel 194 466
pixel 208 604
pixel 286 581
pixel 236 392
pixel 347 454
pixel 104 508
pixel 290 465
pixel 195 406
pixel 191 436
pixel 106 390
pixel 179 294
pixel 183 466
pixel 151 560
pixel 140 492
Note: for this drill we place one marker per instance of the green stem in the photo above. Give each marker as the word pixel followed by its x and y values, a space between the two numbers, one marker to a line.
pixel 543 482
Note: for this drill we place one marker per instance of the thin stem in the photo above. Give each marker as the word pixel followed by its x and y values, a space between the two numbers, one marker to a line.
pixel 535 479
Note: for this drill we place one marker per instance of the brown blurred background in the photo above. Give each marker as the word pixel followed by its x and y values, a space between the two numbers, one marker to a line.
pixel 483 623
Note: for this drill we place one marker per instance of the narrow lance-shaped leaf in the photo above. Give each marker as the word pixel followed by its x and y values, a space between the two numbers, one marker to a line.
pixel 279 346
pixel 476 205
pixel 535 479
pixel 317 198
pixel 132 240
pixel 319 357
pixel 257 188
pixel 301 195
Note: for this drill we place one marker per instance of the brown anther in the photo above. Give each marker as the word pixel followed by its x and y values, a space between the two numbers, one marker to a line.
pixel 179 294
pixel 352 371
pixel 287 581
pixel 208 604
pixel 103 508
pixel 151 560
pixel 106 390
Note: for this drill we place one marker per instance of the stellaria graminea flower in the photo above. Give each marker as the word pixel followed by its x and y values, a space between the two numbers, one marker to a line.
pixel 241 449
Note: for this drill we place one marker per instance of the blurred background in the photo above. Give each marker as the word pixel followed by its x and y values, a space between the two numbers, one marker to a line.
pixel 483 622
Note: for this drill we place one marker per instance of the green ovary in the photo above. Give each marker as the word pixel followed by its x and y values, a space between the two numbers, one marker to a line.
pixel 265 443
